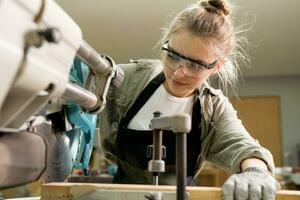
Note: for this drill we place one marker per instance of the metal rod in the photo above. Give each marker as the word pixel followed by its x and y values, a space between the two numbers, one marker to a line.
pixel 181 166
pixel 157 147
pixel 92 59
pixel 100 64
pixel 155 180
pixel 157 150
pixel 157 144
pixel 80 95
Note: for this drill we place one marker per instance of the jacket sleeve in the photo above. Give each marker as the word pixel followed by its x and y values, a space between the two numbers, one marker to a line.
pixel 231 143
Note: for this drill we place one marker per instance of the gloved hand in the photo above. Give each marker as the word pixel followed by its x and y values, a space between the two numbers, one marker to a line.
pixel 252 184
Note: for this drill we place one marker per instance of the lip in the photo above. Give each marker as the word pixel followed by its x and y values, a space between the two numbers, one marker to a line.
pixel 178 82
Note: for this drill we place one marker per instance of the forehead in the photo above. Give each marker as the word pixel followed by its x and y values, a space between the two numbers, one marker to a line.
pixel 191 46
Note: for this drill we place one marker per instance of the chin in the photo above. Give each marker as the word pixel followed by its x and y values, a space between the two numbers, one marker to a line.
pixel 179 91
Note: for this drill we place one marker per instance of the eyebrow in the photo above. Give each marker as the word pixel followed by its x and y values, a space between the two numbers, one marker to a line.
pixel 200 62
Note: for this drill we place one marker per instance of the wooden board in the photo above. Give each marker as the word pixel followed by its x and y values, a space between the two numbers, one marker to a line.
pixel 68 191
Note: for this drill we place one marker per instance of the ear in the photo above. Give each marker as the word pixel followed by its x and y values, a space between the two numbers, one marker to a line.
pixel 218 67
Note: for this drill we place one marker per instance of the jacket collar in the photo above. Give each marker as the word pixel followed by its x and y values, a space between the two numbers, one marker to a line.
pixel 206 89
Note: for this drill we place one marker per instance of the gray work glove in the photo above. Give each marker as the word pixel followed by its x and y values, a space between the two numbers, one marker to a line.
pixel 252 184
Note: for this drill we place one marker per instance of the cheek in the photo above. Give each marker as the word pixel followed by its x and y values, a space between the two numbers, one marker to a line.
pixel 168 72
pixel 197 82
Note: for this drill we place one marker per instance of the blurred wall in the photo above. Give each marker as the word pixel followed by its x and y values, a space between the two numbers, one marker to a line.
pixel 288 90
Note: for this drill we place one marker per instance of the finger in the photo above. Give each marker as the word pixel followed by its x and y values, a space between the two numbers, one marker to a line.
pixel 241 189
pixel 268 193
pixel 255 191
pixel 228 189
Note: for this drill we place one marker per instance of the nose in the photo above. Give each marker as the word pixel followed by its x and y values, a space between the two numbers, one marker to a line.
pixel 180 70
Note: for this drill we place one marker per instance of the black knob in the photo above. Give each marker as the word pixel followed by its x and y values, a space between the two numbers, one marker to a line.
pixel 157 114
pixel 52 35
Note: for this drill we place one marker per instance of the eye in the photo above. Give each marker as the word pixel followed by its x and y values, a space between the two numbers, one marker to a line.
pixel 173 57
pixel 194 66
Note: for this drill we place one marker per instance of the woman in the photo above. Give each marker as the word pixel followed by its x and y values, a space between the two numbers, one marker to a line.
pixel 199 44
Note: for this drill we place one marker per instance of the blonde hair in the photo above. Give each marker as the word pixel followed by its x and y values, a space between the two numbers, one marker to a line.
pixel 210 20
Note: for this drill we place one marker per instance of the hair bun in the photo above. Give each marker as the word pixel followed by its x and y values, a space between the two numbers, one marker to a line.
pixel 216 6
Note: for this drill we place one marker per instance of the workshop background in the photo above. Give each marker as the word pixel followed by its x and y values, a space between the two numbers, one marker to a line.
pixel 269 91
pixel 130 29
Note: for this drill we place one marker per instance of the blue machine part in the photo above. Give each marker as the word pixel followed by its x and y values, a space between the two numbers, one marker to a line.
pixel 84 125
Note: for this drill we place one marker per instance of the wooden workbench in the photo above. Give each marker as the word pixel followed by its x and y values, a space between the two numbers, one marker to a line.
pixel 68 191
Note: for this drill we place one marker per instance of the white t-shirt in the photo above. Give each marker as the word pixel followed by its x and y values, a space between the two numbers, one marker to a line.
pixel 163 102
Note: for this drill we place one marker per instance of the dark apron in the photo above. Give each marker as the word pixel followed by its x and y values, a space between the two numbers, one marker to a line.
pixel 132 145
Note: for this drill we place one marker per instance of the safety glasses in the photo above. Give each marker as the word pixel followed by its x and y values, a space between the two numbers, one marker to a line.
pixel 192 67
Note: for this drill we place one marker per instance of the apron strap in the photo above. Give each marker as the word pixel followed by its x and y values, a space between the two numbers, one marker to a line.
pixel 142 99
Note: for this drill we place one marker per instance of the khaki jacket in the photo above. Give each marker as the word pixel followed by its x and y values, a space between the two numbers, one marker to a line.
pixel 225 141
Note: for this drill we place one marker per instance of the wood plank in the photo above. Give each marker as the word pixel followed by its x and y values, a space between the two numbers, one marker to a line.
pixel 67 191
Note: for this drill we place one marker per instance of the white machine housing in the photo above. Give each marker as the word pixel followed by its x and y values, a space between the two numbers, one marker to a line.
pixel 29 81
